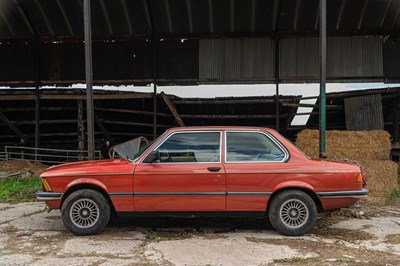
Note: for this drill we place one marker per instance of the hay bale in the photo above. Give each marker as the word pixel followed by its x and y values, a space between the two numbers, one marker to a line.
pixel 381 176
pixel 353 145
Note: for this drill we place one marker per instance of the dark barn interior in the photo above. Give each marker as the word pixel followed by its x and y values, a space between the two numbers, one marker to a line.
pixel 182 42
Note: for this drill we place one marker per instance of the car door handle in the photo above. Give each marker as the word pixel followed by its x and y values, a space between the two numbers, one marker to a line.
pixel 214 169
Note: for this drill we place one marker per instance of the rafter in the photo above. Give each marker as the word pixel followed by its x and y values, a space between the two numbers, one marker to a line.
pixel 171 107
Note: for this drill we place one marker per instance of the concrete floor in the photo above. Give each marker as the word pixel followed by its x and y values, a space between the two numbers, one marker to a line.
pixel 31 236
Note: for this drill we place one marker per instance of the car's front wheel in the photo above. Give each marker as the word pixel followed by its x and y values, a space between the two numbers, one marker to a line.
pixel 85 212
pixel 292 213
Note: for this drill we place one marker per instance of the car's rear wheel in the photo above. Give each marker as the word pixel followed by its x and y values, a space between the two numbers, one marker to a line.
pixel 292 212
pixel 85 212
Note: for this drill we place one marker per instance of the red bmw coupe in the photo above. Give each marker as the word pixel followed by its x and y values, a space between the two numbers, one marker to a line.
pixel 203 171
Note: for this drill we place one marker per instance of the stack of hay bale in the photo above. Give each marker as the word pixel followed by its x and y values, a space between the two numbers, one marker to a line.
pixel 371 149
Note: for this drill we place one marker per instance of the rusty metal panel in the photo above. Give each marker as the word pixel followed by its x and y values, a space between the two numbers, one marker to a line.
pixel 391 59
pixel 240 60
pixel 364 113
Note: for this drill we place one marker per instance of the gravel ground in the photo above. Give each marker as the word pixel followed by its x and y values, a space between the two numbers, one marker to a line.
pixel 31 236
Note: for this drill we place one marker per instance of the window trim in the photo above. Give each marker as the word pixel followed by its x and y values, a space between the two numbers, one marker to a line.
pixel 268 135
pixel 180 132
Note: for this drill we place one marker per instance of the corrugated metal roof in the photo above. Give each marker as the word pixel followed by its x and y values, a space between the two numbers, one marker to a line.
pixel 25 18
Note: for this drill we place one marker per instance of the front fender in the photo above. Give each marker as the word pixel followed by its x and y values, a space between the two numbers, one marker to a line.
pixel 86 181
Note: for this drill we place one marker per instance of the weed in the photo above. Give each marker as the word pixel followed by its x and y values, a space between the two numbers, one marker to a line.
pixel 345 259
pixel 154 236
pixel 392 195
pixel 296 259
pixel 15 189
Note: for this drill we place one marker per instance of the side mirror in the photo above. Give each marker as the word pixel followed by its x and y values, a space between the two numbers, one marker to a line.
pixel 153 157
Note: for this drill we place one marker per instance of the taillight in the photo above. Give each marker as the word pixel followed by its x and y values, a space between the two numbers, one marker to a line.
pixel 361 179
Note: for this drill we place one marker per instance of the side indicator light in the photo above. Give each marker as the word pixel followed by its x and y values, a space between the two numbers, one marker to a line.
pixel 46 185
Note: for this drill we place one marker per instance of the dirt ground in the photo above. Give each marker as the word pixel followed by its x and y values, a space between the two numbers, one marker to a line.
pixel 368 235
pixel 24 167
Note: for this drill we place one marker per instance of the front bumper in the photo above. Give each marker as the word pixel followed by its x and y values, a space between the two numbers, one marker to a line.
pixel 42 195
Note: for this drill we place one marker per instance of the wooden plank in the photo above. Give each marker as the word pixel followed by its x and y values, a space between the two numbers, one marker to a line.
pixel 12 127
pixel 171 107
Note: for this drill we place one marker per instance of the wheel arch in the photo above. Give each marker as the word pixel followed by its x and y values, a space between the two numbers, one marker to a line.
pixel 80 186
pixel 308 191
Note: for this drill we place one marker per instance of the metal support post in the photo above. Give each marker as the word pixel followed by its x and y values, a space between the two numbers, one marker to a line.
pixel 277 81
pixel 37 100
pixel 89 78
pixel 395 121
pixel 322 85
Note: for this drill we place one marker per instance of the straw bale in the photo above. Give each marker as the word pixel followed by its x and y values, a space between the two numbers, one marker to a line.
pixel 381 176
pixel 353 145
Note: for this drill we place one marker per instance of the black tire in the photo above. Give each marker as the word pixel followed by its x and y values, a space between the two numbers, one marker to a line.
pixel 292 213
pixel 85 212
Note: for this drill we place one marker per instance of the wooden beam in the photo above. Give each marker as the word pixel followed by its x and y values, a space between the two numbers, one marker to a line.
pixel 238 101
pixel 133 124
pixel 12 127
pixel 171 107
pixel 60 121
pixel 100 124
pixel 138 112
pixel 223 116
pixel 312 105
pixel 96 96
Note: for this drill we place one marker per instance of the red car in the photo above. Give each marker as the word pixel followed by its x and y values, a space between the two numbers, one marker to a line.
pixel 203 170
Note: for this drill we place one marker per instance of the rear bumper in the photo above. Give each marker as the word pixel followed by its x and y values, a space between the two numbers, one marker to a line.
pixel 344 194
pixel 42 195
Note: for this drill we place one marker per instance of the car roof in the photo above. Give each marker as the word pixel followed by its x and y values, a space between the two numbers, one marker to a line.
pixel 200 128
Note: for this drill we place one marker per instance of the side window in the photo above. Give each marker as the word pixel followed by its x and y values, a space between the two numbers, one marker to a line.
pixel 251 147
pixel 191 147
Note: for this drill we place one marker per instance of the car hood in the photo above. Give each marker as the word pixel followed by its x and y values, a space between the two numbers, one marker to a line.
pixel 98 167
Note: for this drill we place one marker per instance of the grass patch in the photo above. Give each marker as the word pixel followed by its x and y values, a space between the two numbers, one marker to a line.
pixel 392 195
pixel 15 189
pixel 345 259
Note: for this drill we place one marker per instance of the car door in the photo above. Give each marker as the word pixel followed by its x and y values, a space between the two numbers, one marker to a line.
pixel 183 173
pixel 253 160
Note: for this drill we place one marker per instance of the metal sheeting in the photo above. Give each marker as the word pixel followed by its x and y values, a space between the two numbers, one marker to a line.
pixel 114 62
pixel 299 58
pixel 226 60
pixel 364 113
pixel 348 58
pixel 355 56
pixel 391 53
